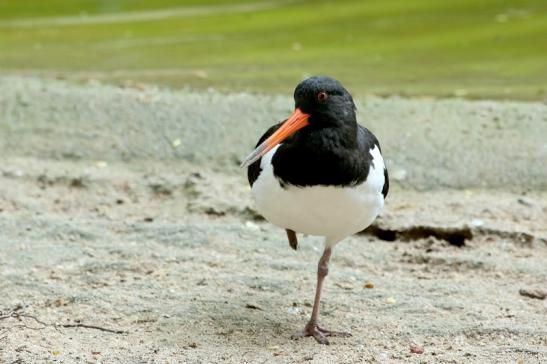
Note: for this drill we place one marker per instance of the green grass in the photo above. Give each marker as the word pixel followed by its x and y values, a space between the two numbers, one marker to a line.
pixel 479 49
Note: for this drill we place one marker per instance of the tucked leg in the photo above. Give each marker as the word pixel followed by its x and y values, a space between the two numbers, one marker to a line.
pixel 293 241
pixel 312 328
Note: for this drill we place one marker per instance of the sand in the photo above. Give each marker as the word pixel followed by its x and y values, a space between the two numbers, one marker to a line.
pixel 128 234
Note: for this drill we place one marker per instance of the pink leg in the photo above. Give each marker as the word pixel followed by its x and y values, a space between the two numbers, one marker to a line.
pixel 312 327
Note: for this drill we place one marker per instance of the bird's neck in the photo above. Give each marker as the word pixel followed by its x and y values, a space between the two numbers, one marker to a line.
pixel 330 138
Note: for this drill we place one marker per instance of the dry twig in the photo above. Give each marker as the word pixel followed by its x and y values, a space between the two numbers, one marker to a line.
pixel 18 314
pixel 92 327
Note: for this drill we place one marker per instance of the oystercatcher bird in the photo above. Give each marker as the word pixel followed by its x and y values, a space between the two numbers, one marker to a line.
pixel 319 173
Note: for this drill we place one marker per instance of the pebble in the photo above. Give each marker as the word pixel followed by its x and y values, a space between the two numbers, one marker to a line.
pixel 533 293
pixel 344 285
pixel 477 222
pixel 417 349
pixel 524 201
pixel 253 306
pixel 293 310
pixel 368 285
pixel 251 226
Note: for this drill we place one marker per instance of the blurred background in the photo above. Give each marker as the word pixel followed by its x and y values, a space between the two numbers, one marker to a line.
pixel 470 48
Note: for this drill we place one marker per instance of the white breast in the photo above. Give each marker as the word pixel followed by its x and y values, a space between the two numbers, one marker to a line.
pixel 333 212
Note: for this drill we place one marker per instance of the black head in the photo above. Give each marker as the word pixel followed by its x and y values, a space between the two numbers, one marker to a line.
pixel 321 102
pixel 326 101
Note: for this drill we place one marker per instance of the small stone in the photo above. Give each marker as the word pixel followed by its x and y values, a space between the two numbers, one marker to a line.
pixel 416 349
pixel 477 222
pixel 60 302
pixel 368 285
pixel 251 226
pixel 391 300
pixel 293 310
pixel 344 285
pixel 533 293
pixel 253 306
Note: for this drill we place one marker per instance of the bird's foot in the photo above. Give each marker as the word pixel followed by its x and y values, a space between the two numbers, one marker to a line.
pixel 319 334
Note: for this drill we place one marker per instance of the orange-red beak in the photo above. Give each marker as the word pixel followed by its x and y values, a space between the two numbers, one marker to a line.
pixel 295 122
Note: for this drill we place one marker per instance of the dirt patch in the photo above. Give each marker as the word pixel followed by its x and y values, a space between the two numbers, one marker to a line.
pixel 175 272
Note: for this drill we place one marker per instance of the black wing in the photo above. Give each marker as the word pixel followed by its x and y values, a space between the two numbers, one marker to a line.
pixel 253 171
pixel 385 189
pixel 369 140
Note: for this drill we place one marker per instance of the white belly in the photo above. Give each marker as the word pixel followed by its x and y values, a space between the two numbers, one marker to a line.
pixel 333 212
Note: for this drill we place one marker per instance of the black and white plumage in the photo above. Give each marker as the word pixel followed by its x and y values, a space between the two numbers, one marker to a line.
pixel 319 173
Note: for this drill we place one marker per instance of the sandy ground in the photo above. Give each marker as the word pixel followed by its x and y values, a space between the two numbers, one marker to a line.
pixel 129 243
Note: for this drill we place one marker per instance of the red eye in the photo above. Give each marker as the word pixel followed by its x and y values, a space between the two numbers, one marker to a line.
pixel 322 96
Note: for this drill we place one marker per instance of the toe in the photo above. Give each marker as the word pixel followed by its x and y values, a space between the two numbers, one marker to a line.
pixel 320 338
pixel 333 333
pixel 319 334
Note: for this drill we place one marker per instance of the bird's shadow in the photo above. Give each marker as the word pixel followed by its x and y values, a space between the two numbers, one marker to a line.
pixel 256 326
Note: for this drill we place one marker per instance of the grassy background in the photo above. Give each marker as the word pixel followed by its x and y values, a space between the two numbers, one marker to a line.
pixel 471 48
